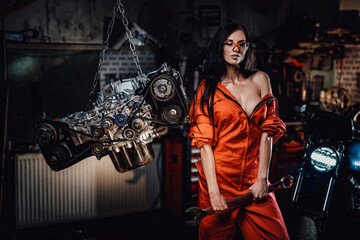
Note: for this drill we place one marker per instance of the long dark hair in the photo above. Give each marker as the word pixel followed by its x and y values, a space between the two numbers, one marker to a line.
pixel 215 68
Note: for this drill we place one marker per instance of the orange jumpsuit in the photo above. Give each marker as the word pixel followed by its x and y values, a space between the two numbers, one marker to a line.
pixel 235 142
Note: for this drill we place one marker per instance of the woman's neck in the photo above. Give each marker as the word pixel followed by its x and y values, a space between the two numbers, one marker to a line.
pixel 232 74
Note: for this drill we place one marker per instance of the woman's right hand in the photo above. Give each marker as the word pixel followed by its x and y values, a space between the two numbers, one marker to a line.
pixel 218 203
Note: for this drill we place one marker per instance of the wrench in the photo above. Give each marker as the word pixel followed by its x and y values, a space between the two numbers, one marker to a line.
pixel 196 214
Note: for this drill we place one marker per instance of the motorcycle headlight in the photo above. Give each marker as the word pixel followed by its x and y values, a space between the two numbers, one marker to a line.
pixel 323 159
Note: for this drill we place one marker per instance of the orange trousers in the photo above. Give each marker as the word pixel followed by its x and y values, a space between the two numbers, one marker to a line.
pixel 256 221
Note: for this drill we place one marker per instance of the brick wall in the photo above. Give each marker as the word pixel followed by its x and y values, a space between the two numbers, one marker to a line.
pixel 120 65
pixel 348 72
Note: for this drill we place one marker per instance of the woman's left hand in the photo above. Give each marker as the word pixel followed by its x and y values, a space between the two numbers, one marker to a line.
pixel 260 190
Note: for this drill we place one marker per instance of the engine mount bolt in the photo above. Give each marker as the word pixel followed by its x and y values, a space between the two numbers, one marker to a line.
pixel 162 88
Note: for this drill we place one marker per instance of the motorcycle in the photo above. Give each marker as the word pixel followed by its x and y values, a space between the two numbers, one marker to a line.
pixel 325 201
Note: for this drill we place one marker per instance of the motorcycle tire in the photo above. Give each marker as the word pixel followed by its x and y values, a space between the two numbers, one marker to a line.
pixel 305 229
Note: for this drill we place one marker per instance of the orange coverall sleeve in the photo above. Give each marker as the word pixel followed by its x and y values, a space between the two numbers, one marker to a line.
pixel 270 122
pixel 201 130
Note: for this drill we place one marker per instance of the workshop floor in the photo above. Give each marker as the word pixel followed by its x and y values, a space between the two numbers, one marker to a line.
pixel 139 226
pixel 147 225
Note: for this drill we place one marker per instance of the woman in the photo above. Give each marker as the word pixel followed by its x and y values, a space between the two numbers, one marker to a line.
pixel 234 121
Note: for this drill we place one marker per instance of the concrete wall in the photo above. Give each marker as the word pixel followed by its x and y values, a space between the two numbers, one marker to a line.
pixel 42 72
pixel 83 21
pixel 65 21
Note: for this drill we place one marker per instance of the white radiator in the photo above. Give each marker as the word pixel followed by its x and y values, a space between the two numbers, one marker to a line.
pixel 86 190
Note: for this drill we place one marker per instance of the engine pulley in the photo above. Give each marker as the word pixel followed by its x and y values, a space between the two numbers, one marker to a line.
pixel 96 132
pixel 58 157
pixel 172 113
pixel 97 149
pixel 107 123
pixel 129 134
pixel 45 134
pixel 162 88
pixel 137 124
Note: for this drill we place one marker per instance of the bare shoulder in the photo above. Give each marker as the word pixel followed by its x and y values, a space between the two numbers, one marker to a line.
pixel 262 80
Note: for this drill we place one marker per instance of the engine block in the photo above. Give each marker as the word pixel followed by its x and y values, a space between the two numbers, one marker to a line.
pixel 125 119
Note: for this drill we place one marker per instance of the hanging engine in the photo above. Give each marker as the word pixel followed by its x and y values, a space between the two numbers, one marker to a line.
pixel 126 117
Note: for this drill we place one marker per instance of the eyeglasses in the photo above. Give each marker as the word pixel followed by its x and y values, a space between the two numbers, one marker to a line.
pixel 237 45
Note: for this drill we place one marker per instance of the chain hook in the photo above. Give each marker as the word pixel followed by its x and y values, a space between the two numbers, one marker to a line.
pixel 118 6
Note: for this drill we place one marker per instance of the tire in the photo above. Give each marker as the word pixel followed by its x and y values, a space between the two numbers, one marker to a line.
pixel 305 229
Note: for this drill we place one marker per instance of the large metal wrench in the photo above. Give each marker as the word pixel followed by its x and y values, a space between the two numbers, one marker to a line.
pixel 195 214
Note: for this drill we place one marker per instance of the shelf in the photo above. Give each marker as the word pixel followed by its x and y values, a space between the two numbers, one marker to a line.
pixel 54 46
pixel 61 46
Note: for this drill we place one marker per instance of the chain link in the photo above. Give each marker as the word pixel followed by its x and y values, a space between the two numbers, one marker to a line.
pixel 129 36
pixel 117 7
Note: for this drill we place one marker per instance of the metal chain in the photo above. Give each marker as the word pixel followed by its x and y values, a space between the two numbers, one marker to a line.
pixel 129 36
pixel 118 6
pixel 101 57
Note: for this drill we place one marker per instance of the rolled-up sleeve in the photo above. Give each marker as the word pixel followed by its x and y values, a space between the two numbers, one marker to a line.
pixel 201 130
pixel 272 123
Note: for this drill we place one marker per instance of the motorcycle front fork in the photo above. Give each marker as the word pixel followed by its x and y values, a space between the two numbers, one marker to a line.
pixel 323 213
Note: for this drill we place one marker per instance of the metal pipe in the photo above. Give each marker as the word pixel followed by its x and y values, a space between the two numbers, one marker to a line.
pixel 5 90
pixel 295 194
pixel 328 194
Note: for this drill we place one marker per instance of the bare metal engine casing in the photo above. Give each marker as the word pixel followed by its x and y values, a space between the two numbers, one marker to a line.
pixel 126 118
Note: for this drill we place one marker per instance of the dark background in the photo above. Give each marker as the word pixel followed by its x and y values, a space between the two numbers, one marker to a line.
pixel 52 68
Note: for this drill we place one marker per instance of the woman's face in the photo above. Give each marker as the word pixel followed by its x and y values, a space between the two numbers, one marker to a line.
pixel 232 50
